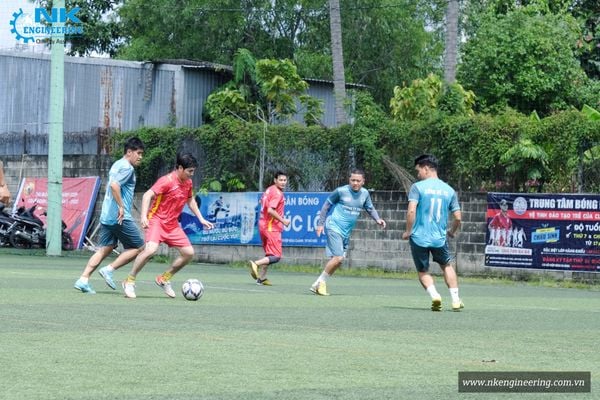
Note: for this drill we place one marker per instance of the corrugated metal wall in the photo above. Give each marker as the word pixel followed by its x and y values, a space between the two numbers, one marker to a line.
pixel 103 96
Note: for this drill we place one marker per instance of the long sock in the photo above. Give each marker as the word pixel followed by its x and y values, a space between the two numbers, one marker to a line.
pixel 323 277
pixel 454 295
pixel 433 292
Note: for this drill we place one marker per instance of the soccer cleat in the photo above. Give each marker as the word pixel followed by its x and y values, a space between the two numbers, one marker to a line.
pixel 436 304
pixel 458 306
pixel 165 285
pixel 84 287
pixel 129 289
pixel 253 270
pixel 264 282
pixel 319 288
pixel 108 277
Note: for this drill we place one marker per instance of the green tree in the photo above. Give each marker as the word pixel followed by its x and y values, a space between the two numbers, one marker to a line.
pixel 102 30
pixel 524 59
pixel 264 90
pixel 424 96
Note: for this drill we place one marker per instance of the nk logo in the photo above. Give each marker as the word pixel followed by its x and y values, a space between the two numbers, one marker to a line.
pixel 57 15
pixel 38 28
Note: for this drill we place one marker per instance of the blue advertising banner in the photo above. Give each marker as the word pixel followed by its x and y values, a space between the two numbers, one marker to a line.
pixel 543 231
pixel 236 216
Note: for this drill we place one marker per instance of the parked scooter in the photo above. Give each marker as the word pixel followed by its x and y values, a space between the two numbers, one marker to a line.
pixel 29 231
pixel 6 224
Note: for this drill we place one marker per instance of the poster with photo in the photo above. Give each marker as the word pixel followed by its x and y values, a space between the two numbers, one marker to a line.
pixel 236 215
pixel 543 231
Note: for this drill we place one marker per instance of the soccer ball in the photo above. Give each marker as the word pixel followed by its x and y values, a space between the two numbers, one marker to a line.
pixel 192 289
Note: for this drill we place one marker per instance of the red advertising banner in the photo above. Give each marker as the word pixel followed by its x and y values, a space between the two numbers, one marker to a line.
pixel 78 199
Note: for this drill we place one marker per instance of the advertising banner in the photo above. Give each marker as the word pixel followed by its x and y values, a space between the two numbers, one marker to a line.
pixel 78 199
pixel 236 216
pixel 543 231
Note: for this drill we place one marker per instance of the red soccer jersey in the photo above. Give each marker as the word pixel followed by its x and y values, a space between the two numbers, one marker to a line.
pixel 501 221
pixel 171 196
pixel 274 198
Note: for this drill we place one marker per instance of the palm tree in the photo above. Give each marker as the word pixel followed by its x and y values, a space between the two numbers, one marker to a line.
pixel 337 54
pixel 451 41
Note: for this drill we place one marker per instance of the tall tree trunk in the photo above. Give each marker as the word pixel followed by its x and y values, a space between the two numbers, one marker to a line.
pixel 451 42
pixel 339 81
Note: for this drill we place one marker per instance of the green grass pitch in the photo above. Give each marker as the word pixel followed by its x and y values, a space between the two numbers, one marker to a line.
pixel 373 338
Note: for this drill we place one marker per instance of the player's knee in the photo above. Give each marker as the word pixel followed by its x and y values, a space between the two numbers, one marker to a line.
pixel 187 252
pixel 273 259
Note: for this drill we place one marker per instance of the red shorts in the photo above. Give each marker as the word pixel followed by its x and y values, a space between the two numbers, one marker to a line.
pixel 271 242
pixel 174 237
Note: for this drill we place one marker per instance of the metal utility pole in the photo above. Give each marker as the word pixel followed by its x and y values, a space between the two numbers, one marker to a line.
pixel 55 142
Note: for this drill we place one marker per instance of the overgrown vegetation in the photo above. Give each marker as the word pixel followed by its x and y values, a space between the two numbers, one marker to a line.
pixel 504 152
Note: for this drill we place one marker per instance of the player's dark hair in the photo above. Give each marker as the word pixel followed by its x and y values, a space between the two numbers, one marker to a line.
pixel 427 160
pixel 279 173
pixel 133 144
pixel 357 171
pixel 186 160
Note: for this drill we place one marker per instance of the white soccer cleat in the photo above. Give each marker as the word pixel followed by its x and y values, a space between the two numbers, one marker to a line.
pixel 129 289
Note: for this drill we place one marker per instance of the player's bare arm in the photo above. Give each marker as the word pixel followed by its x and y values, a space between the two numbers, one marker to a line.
pixel 410 219
pixel 275 214
pixel 115 188
pixel 194 207
pixel 146 200
pixel 455 223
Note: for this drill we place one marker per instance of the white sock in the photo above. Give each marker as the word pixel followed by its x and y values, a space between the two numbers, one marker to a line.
pixel 433 292
pixel 454 295
pixel 323 277
pixel 110 268
pixel 84 279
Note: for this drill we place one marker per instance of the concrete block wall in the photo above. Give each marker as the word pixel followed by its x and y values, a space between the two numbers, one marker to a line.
pixel 371 246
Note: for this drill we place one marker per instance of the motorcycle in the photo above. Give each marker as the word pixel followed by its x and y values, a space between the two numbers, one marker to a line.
pixel 29 231
pixel 6 224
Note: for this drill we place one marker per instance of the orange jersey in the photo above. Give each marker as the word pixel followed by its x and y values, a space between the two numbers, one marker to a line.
pixel 171 196
pixel 272 197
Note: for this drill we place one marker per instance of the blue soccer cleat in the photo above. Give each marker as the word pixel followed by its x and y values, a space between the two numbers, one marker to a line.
pixel 84 287
pixel 108 277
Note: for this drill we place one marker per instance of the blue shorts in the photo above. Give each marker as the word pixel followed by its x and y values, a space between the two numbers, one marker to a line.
pixel 127 233
pixel 336 244
pixel 420 255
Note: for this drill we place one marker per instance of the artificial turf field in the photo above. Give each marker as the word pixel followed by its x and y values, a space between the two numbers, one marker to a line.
pixel 373 338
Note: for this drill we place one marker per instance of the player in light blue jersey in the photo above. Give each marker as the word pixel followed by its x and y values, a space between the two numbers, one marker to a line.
pixel 347 201
pixel 116 221
pixel 430 201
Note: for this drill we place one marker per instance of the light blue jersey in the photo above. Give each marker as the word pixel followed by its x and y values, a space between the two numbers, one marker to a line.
pixel 347 205
pixel 435 200
pixel 123 173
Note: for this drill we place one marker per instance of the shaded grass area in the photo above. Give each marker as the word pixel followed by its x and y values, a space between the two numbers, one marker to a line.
pixel 372 338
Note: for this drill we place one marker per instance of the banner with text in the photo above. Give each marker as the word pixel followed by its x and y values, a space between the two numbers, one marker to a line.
pixel 543 231
pixel 78 199
pixel 236 216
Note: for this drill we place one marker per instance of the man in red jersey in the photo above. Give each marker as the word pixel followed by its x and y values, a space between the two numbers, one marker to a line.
pixel 501 225
pixel 270 226
pixel 168 195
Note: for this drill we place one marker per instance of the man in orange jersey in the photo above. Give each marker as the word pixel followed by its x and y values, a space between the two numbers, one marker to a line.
pixel 270 227
pixel 168 195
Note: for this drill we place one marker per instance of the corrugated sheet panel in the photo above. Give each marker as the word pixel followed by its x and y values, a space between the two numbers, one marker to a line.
pixel 103 96
pixel 199 83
